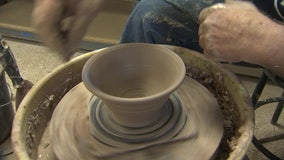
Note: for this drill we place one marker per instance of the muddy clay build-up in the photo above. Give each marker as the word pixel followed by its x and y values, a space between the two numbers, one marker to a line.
pixel 139 101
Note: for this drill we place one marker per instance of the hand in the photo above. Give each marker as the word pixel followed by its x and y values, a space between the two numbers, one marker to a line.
pixel 61 24
pixel 234 31
pixel 237 31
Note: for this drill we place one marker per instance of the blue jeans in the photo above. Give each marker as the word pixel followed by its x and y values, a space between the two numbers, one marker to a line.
pixel 173 22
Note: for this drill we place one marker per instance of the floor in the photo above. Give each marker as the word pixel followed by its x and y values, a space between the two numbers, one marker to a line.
pixel 35 61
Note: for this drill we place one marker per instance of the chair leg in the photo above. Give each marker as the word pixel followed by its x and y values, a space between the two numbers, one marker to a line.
pixel 257 143
pixel 255 97
pixel 277 112
pixel 259 88
pixel 263 150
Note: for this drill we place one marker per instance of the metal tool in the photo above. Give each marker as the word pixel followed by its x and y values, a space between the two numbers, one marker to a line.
pixel 8 65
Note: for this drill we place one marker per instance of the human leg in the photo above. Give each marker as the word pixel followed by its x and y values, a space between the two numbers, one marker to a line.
pixel 173 22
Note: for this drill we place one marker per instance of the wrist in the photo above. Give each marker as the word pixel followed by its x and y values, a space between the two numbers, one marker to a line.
pixel 266 44
pixel 275 55
pixel 268 51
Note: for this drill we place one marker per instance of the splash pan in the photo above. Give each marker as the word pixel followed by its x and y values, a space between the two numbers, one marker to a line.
pixel 193 122
pixel 35 112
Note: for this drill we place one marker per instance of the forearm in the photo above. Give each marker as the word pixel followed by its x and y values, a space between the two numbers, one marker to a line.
pixel 267 50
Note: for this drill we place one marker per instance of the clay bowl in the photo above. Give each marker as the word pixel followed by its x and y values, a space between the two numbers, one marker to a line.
pixel 134 81
pixel 37 107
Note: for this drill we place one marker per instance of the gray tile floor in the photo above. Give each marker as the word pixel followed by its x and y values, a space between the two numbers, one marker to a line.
pixel 263 115
pixel 36 61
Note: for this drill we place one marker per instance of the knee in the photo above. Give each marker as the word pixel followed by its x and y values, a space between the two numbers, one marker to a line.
pixel 147 9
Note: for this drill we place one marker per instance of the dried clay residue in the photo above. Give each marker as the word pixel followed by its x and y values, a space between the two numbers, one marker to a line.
pixel 229 109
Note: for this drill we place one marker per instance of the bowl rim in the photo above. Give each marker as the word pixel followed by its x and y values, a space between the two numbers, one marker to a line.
pixel 92 88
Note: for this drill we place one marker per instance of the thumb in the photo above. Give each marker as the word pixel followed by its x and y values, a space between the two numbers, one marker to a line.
pixel 243 5
pixel 80 23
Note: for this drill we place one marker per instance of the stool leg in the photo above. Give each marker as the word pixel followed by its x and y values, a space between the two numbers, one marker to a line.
pixel 263 150
pixel 259 88
pixel 277 112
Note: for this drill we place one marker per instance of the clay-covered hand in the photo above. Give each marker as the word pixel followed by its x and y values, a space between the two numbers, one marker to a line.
pixel 238 31
pixel 61 24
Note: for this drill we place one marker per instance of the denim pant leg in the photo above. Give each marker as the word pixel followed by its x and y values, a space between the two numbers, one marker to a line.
pixel 173 22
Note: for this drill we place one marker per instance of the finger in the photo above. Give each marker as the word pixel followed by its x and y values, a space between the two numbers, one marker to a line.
pixel 244 5
pixel 203 14
pixel 202 30
pixel 217 59
pixel 207 11
pixel 202 41
pixel 212 52
pixel 221 56
pixel 207 54
pixel 76 34
pixel 46 19
pixel 80 23
pixel 208 47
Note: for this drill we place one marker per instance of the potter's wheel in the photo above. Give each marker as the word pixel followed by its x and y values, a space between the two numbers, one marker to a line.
pixel 195 132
